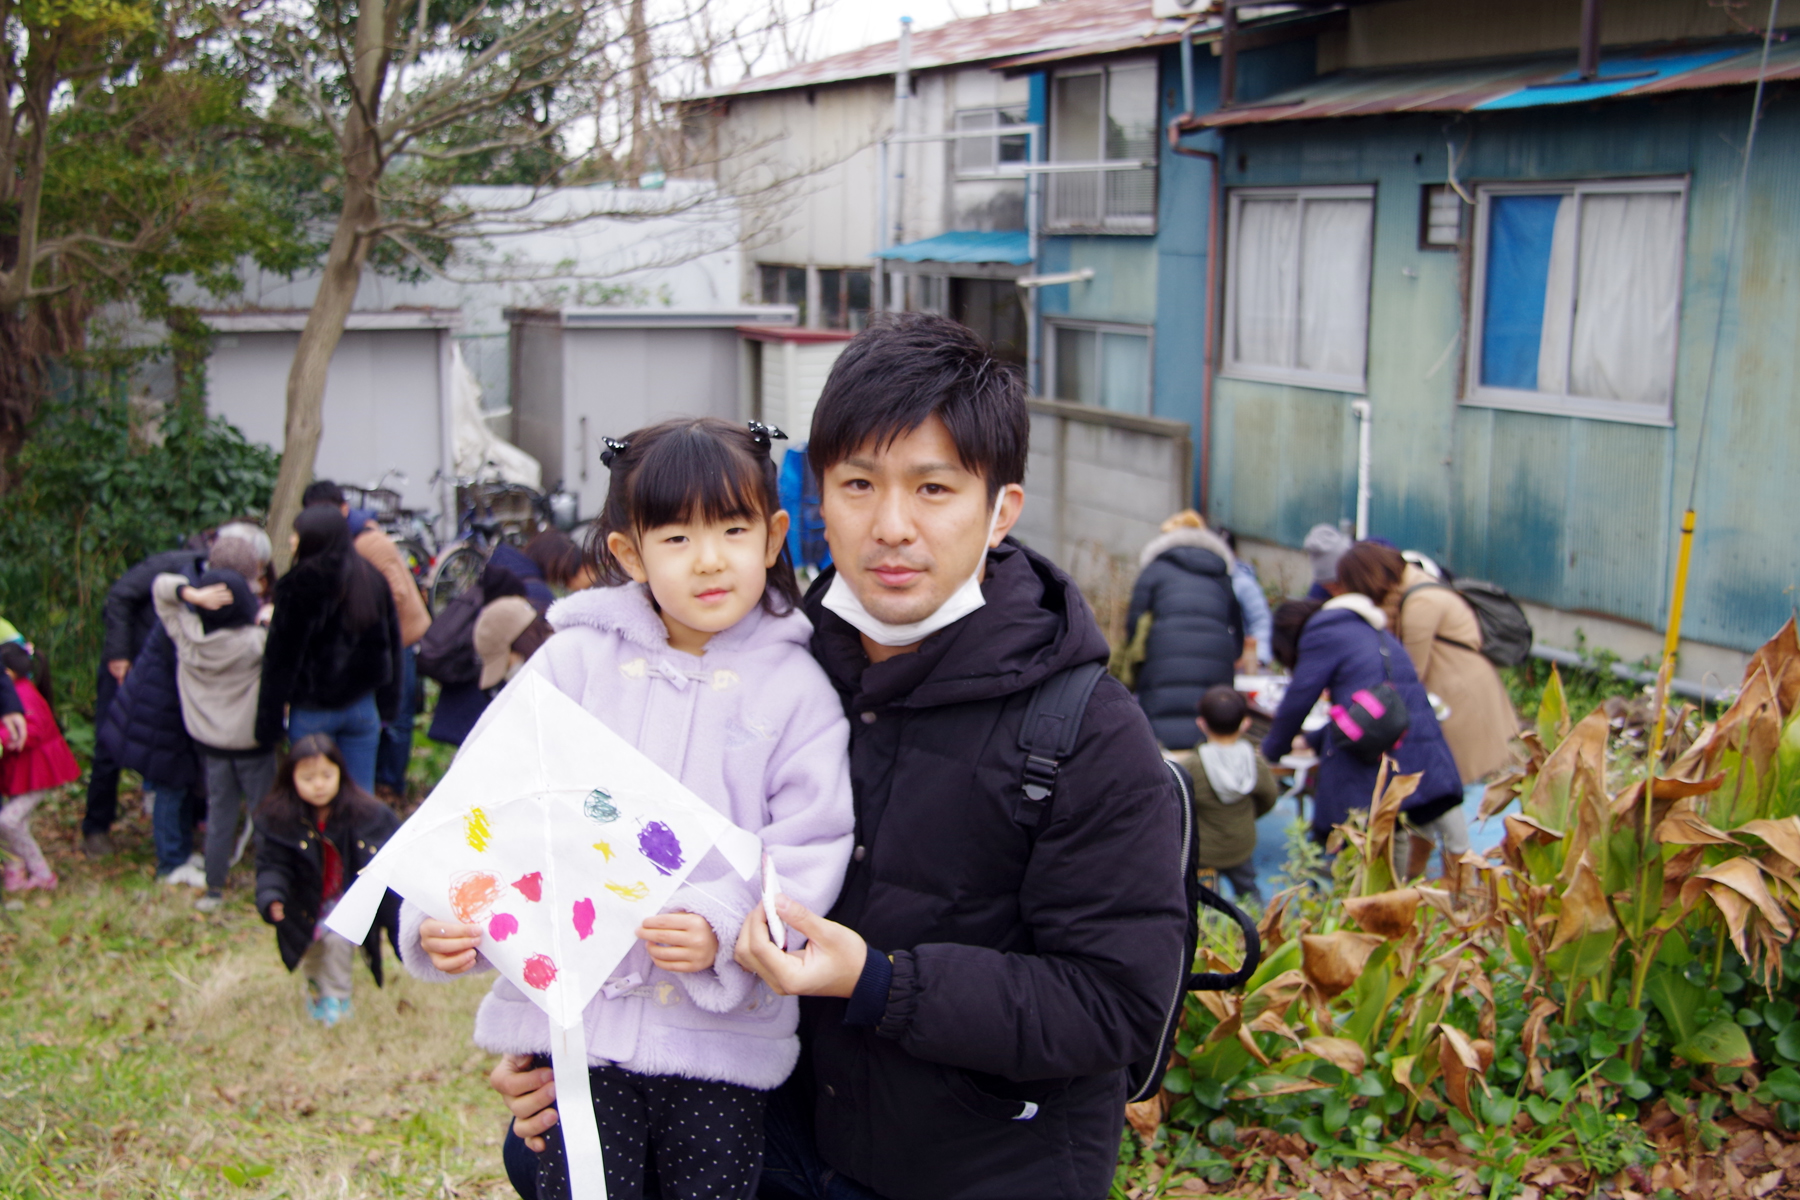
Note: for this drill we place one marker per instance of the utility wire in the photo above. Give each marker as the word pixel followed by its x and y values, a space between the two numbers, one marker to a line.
pixel 1731 248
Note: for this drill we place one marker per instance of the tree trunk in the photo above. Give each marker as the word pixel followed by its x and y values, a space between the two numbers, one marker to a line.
pixel 342 276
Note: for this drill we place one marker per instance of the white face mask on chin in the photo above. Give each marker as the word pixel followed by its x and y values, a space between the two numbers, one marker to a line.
pixel 842 600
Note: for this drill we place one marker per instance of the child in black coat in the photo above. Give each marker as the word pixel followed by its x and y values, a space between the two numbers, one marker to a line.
pixel 316 831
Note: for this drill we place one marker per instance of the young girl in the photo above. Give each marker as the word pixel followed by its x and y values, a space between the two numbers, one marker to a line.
pixel 317 831
pixel 696 653
pixel 30 772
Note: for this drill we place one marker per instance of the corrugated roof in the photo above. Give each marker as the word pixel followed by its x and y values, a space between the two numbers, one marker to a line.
pixel 1051 25
pixel 964 246
pixel 1516 83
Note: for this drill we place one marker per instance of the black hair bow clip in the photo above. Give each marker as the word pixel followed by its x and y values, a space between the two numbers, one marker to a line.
pixel 765 435
pixel 614 448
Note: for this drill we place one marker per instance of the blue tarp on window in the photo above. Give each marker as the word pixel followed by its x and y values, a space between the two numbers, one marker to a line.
pixel 1520 230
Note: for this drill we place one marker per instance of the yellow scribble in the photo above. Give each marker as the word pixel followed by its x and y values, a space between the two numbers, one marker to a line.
pixel 476 829
pixel 605 850
pixel 630 891
pixel 666 995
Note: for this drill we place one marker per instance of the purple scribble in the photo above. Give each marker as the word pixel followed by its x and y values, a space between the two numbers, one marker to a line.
pixel 660 845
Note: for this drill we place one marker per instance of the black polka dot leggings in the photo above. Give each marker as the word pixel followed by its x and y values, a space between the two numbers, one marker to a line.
pixel 667 1138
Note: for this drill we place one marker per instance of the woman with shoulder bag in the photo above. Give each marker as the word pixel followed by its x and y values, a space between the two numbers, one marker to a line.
pixel 1342 647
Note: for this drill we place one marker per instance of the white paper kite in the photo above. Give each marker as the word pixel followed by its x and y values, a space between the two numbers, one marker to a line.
pixel 557 837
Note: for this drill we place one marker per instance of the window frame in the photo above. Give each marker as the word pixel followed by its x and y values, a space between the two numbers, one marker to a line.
pixel 1133 225
pixel 1230 367
pixel 1022 111
pixel 1055 324
pixel 1630 412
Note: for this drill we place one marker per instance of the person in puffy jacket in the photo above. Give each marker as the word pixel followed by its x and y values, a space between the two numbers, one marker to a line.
pixel 332 662
pixel 1344 647
pixel 1196 625
pixel 32 768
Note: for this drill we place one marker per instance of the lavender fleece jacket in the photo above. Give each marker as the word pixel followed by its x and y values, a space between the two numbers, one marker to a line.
pixel 752 727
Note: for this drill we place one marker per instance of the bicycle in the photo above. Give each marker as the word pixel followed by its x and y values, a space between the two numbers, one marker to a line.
pixel 409 529
pixel 493 512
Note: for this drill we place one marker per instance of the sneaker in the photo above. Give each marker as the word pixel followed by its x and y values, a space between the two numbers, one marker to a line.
pixel 213 901
pixel 12 877
pixel 44 882
pixel 197 860
pixel 315 1008
pixel 186 873
pixel 97 844
pixel 327 1010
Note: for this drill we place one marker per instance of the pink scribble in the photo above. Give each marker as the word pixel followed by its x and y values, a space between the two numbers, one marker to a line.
pixel 531 886
pixel 584 919
pixel 503 926
pixel 540 972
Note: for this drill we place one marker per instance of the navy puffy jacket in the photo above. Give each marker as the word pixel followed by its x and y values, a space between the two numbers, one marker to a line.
pixel 1196 629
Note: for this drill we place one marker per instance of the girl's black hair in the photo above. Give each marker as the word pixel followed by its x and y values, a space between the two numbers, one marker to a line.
pixel 691 469
pixel 26 665
pixel 1289 620
pixel 283 809
pixel 325 549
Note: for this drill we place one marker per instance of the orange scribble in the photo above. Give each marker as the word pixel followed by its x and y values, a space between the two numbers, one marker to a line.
pixel 472 893
pixel 630 891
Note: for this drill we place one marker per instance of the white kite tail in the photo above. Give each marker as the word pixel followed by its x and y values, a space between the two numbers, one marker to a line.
pixel 575 1112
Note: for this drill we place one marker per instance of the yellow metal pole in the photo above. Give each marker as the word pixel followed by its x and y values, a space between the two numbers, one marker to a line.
pixel 1671 639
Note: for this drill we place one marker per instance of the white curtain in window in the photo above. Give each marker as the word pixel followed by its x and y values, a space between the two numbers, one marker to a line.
pixel 1266 252
pixel 1334 286
pixel 1559 302
pixel 1630 290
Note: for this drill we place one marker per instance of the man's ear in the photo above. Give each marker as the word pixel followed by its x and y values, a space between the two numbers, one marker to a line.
pixel 626 551
pixel 1012 504
pixel 778 531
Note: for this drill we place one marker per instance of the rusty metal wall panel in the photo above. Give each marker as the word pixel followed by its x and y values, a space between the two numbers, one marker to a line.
pixel 1577 514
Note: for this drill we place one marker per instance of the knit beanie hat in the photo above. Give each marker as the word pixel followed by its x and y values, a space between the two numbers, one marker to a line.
pixel 1324 545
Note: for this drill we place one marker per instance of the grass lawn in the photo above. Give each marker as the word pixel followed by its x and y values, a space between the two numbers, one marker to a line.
pixel 149 1050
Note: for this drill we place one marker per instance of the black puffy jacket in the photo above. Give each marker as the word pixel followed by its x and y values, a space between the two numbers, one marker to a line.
pixel 314 659
pixel 1196 629
pixel 1025 970
pixel 130 613
pixel 290 867
pixel 144 730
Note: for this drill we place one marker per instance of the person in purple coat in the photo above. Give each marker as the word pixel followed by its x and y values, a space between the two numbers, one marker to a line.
pixel 1337 647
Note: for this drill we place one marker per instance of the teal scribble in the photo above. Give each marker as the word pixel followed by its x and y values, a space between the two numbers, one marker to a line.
pixel 599 806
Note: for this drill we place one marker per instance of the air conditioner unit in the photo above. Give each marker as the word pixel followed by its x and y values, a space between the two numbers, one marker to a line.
pixel 1167 9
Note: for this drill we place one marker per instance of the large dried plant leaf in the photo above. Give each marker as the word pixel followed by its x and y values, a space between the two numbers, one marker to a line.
pixel 1584 907
pixel 1385 914
pixel 1332 961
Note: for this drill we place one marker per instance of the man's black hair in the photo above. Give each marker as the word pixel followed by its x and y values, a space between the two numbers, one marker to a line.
pixel 322 491
pixel 907 367
pixel 1223 709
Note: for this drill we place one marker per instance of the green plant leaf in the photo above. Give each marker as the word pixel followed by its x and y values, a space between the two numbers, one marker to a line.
pixel 1787 1043
pixel 1543 1111
pixel 1723 1043
pixel 1336 1113
pixel 1676 999
pixel 1784 1084
pixel 1178 1081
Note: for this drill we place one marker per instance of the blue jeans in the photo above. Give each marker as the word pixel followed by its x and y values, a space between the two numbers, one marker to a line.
pixel 356 728
pixel 171 826
pixel 397 734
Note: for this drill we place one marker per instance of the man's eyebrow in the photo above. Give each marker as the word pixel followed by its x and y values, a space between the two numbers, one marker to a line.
pixel 934 468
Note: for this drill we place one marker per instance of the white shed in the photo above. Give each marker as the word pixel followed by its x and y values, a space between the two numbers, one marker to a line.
pixel 790 366
pixel 387 393
pixel 581 375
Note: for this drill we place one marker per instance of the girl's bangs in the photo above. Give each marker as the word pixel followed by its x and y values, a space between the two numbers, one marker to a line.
pixel 692 476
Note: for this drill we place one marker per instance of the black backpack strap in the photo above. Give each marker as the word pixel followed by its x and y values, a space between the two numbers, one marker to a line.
pixel 1213 981
pixel 1048 734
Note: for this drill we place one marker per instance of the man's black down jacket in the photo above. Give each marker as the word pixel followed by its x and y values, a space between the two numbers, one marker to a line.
pixel 290 867
pixel 1025 970
pixel 1196 629
pixel 130 613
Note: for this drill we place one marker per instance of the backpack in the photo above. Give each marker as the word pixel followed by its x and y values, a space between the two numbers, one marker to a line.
pixel 1047 736
pixel 1505 631
pixel 447 651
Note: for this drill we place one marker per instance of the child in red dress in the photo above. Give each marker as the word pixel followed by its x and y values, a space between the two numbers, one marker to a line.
pixel 32 772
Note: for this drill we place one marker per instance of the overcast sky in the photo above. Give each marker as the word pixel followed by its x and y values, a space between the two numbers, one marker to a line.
pixel 848 24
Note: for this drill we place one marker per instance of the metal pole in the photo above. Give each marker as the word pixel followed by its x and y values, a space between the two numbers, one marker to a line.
pixel 1590 38
pixel 881 225
pixel 902 91
pixel 1033 349
pixel 1363 416
pixel 1228 56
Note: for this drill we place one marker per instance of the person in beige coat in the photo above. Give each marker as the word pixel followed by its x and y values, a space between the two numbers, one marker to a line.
pixel 1443 639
